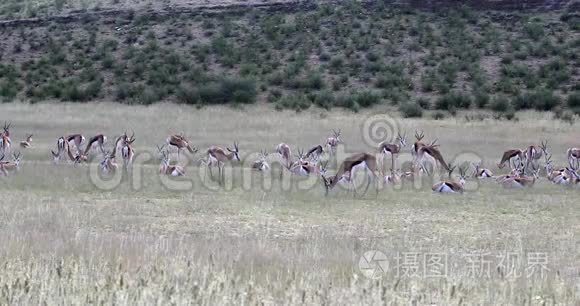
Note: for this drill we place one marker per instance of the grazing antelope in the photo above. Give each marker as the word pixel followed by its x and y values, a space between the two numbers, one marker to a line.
pixel 180 142
pixel 127 151
pixel 314 153
pixel 25 144
pixel 451 186
pixel 348 168
pixel 393 178
pixel 534 153
pixel 333 141
pixel 78 140
pixel 217 156
pixel 303 167
pixel 510 156
pixel 60 149
pixel 10 166
pixel 261 164
pixel 430 154
pixel 97 141
pixel 480 172
pixel 573 155
pixel 393 148
pixel 285 154
pixel 166 167
pixel 5 141
pixel 76 159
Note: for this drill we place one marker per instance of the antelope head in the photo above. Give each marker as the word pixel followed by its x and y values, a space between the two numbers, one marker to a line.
pixel 544 146
pixel 323 167
pixel 235 151
pixel 130 140
pixel 263 155
pixel 462 175
pixel 17 157
pixel 337 135
pixel 300 155
pixel 7 128
pixel 419 135
pixel 450 170
pixel 402 139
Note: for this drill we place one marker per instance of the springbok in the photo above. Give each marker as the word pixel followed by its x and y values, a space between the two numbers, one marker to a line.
pixel 60 150
pixel 285 154
pixel 166 167
pixel 217 156
pixel 78 140
pixel 348 168
pixel 314 153
pixel 534 153
pixel 481 172
pixel 108 164
pixel 573 155
pixel 10 166
pixel 261 164
pixel 97 141
pixel 451 186
pixel 333 141
pixel 521 180
pixel 394 178
pixel 25 144
pixel 5 141
pixel 127 151
pixel 393 148
pixel 418 143
pixel 76 159
pixel 430 154
pixel 180 142
pixel 510 156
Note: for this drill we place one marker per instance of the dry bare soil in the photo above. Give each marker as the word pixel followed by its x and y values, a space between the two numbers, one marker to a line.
pixel 65 240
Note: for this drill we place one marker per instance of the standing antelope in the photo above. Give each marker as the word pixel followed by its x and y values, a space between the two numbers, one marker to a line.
pixel 481 172
pixel 510 156
pixel 60 149
pixel 10 166
pixel 26 143
pixel 333 141
pixel 418 143
pixel 166 167
pixel 348 168
pixel 97 141
pixel 285 154
pixel 534 153
pixel 261 164
pixel 451 186
pixel 5 141
pixel 393 148
pixel 180 142
pixel 78 140
pixel 217 156
pixel 573 155
pixel 127 151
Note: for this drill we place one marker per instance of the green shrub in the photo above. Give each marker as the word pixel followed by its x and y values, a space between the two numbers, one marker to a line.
pixel 573 102
pixel 452 101
pixel 297 102
pixel 367 98
pixel 542 100
pixel 424 102
pixel 411 110
pixel 500 104
pixel 481 99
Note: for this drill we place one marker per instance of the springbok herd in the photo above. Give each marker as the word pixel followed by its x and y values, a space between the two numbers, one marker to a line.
pixel 427 159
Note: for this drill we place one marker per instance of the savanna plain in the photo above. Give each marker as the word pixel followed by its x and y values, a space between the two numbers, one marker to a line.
pixel 68 239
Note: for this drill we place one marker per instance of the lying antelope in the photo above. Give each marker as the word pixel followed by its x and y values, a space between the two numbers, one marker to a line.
pixel 166 167
pixel 5 141
pixel 333 141
pixel 261 164
pixel 451 186
pixel 10 166
pixel 25 144
pixel 394 178
pixel 217 156
pixel 393 148
pixel 348 168
pixel 511 156
pixel 180 142
pixel 481 172
pixel 521 180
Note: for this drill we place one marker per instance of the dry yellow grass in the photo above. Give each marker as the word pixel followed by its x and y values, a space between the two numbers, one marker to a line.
pixel 64 241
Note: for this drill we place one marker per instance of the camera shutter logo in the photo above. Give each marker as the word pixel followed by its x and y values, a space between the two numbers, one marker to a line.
pixel 373 264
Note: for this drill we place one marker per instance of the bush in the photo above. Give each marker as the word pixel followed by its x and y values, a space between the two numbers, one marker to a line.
pixel 481 99
pixel 296 102
pixel 453 100
pixel 500 104
pixel 424 103
pixel 367 98
pixel 542 100
pixel 573 102
pixel 411 110
pixel 438 115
